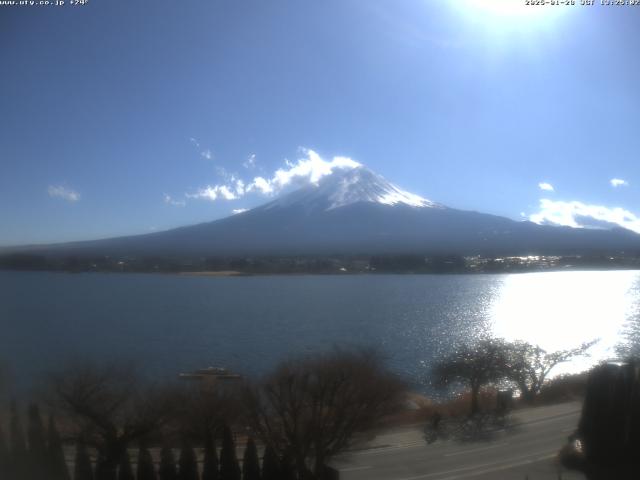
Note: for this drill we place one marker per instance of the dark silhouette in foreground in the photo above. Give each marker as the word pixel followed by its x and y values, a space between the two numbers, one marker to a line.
pixel 474 365
pixel 607 441
pixel 311 410
pixel 108 412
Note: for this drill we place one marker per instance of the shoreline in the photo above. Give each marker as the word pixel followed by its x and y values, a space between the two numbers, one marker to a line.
pixel 237 273
pixel 209 273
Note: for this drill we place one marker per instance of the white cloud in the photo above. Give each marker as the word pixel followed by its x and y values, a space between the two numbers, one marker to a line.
pixel 582 215
pixel 206 153
pixel 215 192
pixel 250 162
pixel 169 200
pixel 62 192
pixel 310 169
pixel 262 185
pixel 618 182
pixel 546 187
pixel 236 211
pixel 239 184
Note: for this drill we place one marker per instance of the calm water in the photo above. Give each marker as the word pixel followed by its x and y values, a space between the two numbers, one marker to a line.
pixel 169 323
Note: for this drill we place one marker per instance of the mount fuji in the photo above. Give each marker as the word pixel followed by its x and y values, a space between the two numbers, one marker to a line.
pixel 356 211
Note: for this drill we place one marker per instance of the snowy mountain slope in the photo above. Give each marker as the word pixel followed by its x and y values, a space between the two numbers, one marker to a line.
pixel 346 186
pixel 356 211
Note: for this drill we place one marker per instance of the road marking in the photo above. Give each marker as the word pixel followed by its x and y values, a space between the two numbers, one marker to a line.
pixel 503 467
pixel 472 450
pixel 389 448
pixel 550 418
pixel 522 460
pixel 353 469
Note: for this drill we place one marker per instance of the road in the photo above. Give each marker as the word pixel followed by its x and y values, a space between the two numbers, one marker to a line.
pixel 528 451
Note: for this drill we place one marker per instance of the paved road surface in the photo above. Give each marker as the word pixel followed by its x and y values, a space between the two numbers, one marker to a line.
pixel 529 451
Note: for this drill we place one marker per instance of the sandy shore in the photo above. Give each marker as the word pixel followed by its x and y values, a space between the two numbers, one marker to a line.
pixel 218 273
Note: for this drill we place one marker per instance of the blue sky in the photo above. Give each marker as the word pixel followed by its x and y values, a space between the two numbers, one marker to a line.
pixel 117 115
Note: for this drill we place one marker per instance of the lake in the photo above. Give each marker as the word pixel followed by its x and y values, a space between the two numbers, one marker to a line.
pixel 167 324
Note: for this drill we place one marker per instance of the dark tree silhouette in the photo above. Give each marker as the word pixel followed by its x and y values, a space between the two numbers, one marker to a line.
pixel 83 469
pixel 111 408
pixel 18 459
pixel 188 463
pixel 329 398
pixel 229 467
pixel 210 466
pixel 250 462
pixel 528 366
pixel 167 470
pixel 125 471
pixel 55 452
pixel 476 365
pixel 609 426
pixel 208 406
pixel 270 464
pixel 4 456
pixel 37 443
pixel 145 469
pixel 288 468
pixel 105 469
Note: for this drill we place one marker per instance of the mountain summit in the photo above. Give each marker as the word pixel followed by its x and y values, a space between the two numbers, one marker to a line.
pixel 347 186
pixel 352 210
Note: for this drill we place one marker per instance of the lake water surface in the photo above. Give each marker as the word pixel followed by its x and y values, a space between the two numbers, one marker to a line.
pixel 172 323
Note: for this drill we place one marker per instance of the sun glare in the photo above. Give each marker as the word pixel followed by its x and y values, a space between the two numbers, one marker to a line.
pixel 562 310
pixel 509 13
pixel 506 8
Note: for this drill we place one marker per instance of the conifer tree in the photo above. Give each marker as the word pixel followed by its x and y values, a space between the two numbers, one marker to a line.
pixel 83 469
pixel 55 453
pixel 270 465
pixel 18 460
pixel 210 466
pixel 167 469
pixel 125 471
pixel 104 470
pixel 229 467
pixel 37 444
pixel 287 469
pixel 188 463
pixel 250 462
pixel 4 456
pixel 146 470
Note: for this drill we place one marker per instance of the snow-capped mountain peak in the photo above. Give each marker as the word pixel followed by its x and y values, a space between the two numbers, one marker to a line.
pixel 346 186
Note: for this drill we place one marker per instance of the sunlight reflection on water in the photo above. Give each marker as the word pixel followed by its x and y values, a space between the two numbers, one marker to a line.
pixel 560 310
pixel 169 323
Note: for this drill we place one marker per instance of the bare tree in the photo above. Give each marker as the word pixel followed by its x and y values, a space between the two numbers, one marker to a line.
pixel 204 408
pixel 528 366
pixel 110 408
pixel 311 409
pixel 475 365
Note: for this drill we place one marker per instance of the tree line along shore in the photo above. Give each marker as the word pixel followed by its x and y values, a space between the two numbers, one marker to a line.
pixel 323 264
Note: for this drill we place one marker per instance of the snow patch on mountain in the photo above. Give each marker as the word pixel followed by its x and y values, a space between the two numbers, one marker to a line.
pixel 347 185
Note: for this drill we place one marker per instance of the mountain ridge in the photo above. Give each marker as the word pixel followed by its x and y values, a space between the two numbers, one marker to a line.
pixel 354 211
